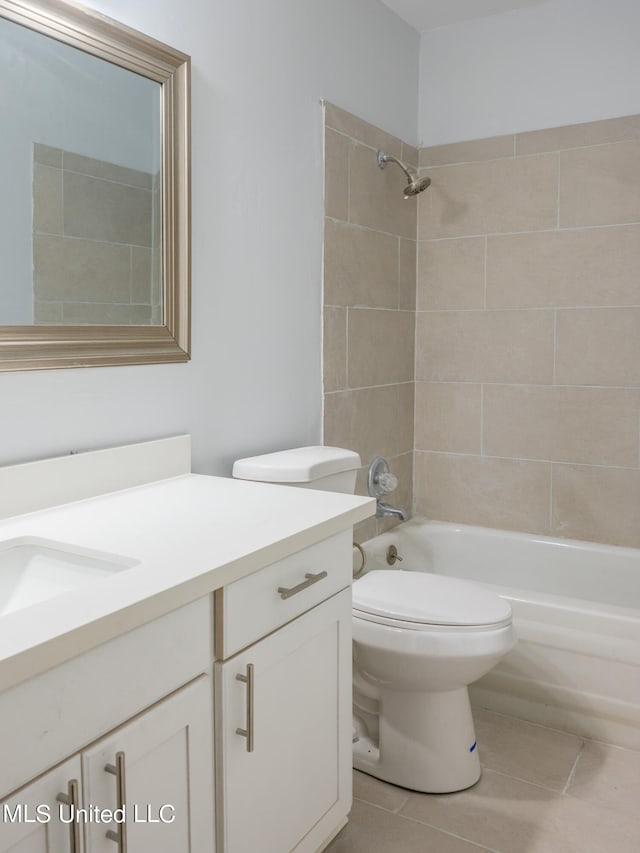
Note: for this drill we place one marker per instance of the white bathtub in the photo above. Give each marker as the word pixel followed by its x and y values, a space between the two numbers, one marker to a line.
pixel 576 609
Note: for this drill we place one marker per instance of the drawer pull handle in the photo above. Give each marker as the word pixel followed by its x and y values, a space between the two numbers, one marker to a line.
pixel 294 590
pixel 71 799
pixel 118 770
pixel 248 732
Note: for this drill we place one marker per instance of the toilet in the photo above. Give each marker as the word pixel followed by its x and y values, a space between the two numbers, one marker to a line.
pixel 419 640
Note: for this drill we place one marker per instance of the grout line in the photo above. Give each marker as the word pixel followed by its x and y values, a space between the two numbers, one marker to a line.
pixel 573 769
pixel 551 497
pixel 634 305
pixel 558 196
pixel 532 231
pixel 346 355
pixel 482 419
pixel 535 385
pixel 555 342
pixel 486 255
pixel 572 463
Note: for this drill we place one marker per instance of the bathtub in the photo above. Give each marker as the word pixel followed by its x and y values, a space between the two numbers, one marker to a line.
pixel 576 608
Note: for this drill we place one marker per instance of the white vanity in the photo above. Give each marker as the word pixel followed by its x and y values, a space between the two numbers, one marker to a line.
pixel 202 686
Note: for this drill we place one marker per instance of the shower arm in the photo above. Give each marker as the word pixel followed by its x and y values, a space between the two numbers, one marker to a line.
pixel 383 159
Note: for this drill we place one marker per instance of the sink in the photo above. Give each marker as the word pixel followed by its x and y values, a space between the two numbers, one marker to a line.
pixel 34 569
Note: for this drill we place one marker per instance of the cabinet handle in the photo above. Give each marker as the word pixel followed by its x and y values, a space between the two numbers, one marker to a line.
pixel 118 770
pixel 248 732
pixel 71 799
pixel 294 590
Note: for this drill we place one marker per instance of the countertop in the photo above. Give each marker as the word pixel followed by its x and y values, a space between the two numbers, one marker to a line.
pixel 191 534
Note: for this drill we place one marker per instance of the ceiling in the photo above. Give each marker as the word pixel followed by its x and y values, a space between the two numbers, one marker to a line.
pixel 428 14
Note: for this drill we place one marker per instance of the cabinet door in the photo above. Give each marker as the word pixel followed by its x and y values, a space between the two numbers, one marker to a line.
pixel 166 764
pixel 294 789
pixel 30 819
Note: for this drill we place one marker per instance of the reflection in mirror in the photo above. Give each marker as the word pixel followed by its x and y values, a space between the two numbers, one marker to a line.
pixel 94 167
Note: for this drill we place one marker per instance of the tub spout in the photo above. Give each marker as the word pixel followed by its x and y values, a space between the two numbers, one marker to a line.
pixel 383 509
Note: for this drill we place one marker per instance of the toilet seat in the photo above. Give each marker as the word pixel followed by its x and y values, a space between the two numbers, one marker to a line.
pixel 421 601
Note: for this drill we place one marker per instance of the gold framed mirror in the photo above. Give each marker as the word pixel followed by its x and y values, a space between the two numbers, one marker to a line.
pixel 95 221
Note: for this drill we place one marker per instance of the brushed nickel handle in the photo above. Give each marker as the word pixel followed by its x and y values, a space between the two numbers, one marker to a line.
pixel 248 732
pixel 118 770
pixel 71 799
pixel 294 590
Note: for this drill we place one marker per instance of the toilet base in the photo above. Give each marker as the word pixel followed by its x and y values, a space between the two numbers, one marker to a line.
pixel 426 742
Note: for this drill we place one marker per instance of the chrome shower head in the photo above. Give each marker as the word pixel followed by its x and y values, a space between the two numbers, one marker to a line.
pixel 416 185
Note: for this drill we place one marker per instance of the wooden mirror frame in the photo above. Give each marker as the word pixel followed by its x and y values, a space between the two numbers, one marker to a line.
pixel 54 346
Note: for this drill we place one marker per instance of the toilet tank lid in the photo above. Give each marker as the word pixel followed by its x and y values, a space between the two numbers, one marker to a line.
pixel 428 599
pixel 298 465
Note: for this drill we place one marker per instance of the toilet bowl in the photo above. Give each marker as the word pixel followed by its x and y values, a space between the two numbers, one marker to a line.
pixel 418 640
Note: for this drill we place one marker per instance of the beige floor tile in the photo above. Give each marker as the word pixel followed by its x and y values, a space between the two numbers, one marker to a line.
pixel 378 793
pixel 505 814
pixel 532 753
pixel 608 775
pixel 373 830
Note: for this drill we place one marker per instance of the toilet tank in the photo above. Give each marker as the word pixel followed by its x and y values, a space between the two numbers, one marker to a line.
pixel 331 469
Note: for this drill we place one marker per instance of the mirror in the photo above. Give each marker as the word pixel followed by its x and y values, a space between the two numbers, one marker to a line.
pixel 94 214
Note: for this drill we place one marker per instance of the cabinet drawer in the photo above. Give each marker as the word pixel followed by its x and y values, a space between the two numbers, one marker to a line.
pixel 254 606
pixel 60 711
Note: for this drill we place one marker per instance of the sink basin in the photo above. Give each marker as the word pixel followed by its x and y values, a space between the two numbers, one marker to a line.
pixel 34 569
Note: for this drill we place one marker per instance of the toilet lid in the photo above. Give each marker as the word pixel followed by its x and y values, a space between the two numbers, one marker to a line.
pixel 428 599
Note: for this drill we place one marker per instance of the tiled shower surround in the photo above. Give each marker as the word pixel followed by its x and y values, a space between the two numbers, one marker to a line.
pixel 91 216
pixel 527 334
pixel 369 296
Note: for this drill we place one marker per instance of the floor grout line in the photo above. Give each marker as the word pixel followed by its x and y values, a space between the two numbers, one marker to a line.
pixel 573 769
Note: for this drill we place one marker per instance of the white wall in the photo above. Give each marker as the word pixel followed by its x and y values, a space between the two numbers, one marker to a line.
pixel 254 383
pixel 564 62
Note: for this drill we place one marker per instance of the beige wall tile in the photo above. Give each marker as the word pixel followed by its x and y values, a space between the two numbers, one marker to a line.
pixel 485 346
pixel 381 347
pixel 335 349
pixel 592 425
pixel 598 346
pixel 361 266
pixel 410 155
pixel 364 530
pixel 47 200
pixel 597 504
pixel 47 312
pixel 448 417
pixel 103 210
pixel 502 493
pixel 141 272
pixel 518 194
pixel 407 285
pixel 361 130
pixel 490 148
pixel 47 155
pixel 109 171
pixel 371 421
pixel 601 185
pixel 336 175
pixel 577 135
pixel 105 315
pixel 595 266
pixel 80 270
pixel 376 195
pixel 451 273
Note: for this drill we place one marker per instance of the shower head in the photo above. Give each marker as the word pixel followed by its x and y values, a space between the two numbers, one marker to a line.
pixel 416 185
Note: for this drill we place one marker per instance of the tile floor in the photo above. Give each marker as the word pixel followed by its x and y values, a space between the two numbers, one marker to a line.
pixel 541 791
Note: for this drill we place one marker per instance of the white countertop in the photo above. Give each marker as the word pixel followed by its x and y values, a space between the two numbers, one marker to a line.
pixel 191 534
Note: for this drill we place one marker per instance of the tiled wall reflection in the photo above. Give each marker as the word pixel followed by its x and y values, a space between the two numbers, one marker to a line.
pixel 96 244
pixel 369 302
pixel 528 332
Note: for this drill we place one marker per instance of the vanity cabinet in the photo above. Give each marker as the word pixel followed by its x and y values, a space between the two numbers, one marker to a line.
pixel 29 819
pixel 283 706
pixel 157 769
